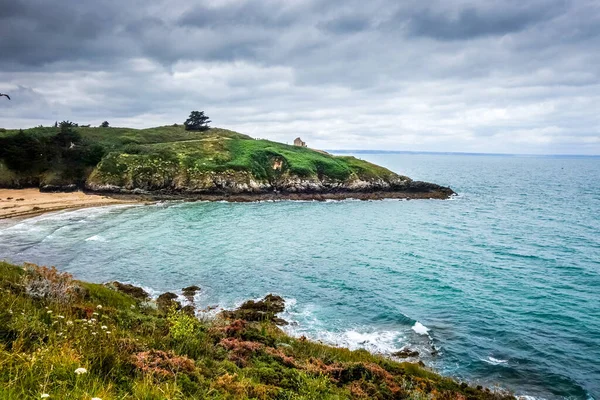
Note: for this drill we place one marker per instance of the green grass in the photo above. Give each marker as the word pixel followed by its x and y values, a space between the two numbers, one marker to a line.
pixel 51 325
pixel 155 158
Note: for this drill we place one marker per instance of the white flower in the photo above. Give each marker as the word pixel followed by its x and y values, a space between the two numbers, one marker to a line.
pixel 94 333
pixel 69 322
pixel 104 327
pixel 99 307
pixel 95 313
pixel 107 332
pixel 49 312
pixel 45 396
pixel 96 398
pixel 80 371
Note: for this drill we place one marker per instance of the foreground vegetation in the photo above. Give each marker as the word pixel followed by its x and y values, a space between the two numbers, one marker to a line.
pixel 65 339
pixel 167 157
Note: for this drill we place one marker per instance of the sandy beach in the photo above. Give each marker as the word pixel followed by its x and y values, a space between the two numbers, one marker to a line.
pixel 29 202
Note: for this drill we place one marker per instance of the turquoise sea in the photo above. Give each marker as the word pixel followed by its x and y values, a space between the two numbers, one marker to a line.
pixel 503 281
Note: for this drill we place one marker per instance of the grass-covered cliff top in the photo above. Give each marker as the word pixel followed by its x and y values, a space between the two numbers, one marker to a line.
pixel 65 339
pixel 150 157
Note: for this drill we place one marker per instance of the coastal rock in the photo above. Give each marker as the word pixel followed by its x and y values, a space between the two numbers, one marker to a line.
pixel 190 291
pixel 59 188
pixel 189 310
pixel 133 291
pixel 406 353
pixel 166 302
pixel 262 310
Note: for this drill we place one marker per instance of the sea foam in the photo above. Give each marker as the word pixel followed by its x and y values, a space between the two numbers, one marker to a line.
pixel 420 329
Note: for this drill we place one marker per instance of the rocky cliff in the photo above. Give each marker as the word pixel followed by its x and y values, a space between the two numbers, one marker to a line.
pixel 169 161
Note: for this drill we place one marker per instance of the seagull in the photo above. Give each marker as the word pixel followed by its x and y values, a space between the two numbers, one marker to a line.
pixel 4 94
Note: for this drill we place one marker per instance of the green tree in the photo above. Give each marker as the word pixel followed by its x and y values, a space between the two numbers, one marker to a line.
pixel 197 122
pixel 104 124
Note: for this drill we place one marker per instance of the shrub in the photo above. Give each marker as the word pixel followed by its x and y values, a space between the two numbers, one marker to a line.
pixel 48 283
pixel 162 364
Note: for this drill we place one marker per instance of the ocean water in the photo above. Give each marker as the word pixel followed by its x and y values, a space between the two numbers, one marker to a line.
pixel 499 286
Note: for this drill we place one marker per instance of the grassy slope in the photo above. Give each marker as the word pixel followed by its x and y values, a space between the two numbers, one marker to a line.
pixel 162 152
pixel 132 351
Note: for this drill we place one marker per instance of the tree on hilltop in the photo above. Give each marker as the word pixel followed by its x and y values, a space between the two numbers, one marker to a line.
pixel 197 122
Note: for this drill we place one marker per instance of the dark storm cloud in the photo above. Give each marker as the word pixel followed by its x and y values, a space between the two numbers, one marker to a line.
pixel 252 13
pixel 455 74
pixel 471 21
pixel 346 24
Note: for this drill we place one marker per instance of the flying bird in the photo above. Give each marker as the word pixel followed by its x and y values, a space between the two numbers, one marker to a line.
pixel 4 94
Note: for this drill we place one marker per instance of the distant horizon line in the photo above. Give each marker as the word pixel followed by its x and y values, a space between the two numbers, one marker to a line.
pixel 462 153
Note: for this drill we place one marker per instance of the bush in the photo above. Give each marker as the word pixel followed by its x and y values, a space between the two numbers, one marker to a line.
pixel 48 283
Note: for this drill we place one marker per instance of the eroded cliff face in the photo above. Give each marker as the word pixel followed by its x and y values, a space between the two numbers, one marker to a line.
pixel 244 182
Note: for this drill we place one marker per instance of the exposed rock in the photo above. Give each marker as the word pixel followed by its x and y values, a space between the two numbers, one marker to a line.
pixel 59 188
pixel 166 302
pixel 190 291
pixel 133 291
pixel 406 353
pixel 280 321
pixel 189 310
pixel 262 310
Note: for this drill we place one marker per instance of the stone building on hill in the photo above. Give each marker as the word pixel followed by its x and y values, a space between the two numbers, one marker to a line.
pixel 299 142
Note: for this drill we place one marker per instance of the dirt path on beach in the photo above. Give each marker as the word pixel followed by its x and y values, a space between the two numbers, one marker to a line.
pixel 29 202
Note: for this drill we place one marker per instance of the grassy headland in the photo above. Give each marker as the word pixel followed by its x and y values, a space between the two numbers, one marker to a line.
pixel 76 340
pixel 170 160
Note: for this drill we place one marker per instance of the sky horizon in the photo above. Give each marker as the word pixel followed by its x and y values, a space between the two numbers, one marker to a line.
pixel 439 76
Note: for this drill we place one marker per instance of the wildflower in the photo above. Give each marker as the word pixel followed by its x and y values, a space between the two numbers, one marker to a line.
pixel 80 371
pixel 49 312
pixel 45 396
pixel 96 398
pixel 104 327
pixel 94 333
pixel 61 316
pixel 95 313
pixel 99 307
pixel 69 322
pixel 93 320
pixel 107 332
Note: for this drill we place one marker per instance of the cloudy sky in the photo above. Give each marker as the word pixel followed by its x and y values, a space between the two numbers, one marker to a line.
pixel 451 75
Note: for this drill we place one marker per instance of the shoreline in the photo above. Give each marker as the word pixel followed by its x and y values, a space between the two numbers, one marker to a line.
pixel 246 340
pixel 25 203
pixel 31 202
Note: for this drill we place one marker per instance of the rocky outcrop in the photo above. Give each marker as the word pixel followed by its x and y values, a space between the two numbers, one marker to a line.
pixel 189 292
pixel 406 353
pixel 236 183
pixel 262 310
pixel 166 302
pixel 133 291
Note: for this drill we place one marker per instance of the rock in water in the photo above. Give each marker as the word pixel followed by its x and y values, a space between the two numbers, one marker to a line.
pixel 133 291
pixel 406 353
pixel 262 310
pixel 166 301
pixel 190 291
